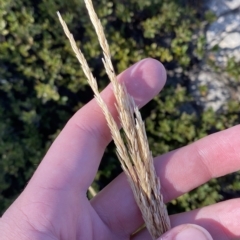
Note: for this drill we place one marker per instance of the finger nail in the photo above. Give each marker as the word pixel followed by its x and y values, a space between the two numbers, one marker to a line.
pixel 187 232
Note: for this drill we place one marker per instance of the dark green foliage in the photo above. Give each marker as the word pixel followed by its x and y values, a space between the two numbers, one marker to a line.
pixel 42 85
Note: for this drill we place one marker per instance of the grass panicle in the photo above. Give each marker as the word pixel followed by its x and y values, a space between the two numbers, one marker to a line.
pixel 135 156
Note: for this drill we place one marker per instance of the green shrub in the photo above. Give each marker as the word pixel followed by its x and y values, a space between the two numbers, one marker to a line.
pixel 42 85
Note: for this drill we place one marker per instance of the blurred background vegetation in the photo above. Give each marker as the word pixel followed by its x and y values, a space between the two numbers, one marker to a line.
pixel 42 85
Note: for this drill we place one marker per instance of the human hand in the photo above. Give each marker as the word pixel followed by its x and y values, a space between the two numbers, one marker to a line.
pixel 54 204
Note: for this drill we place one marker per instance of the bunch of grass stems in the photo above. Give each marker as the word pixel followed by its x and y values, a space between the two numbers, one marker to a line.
pixel 133 153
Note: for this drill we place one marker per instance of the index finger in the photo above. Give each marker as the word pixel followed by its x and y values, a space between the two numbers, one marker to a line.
pixel 74 157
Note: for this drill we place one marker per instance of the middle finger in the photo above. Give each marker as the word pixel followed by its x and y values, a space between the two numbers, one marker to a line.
pixel 180 171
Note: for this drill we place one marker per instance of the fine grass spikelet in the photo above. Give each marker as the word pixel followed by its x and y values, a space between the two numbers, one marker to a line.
pixel 134 153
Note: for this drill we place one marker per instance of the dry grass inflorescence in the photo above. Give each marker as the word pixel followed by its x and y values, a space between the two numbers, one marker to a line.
pixel 134 153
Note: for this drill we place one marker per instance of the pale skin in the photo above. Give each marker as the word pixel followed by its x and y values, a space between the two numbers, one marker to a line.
pixel 54 203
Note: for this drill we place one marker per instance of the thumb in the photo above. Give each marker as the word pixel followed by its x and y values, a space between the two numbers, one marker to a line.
pixel 186 231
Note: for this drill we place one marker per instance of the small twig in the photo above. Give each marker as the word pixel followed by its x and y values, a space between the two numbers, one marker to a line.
pixel 92 191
